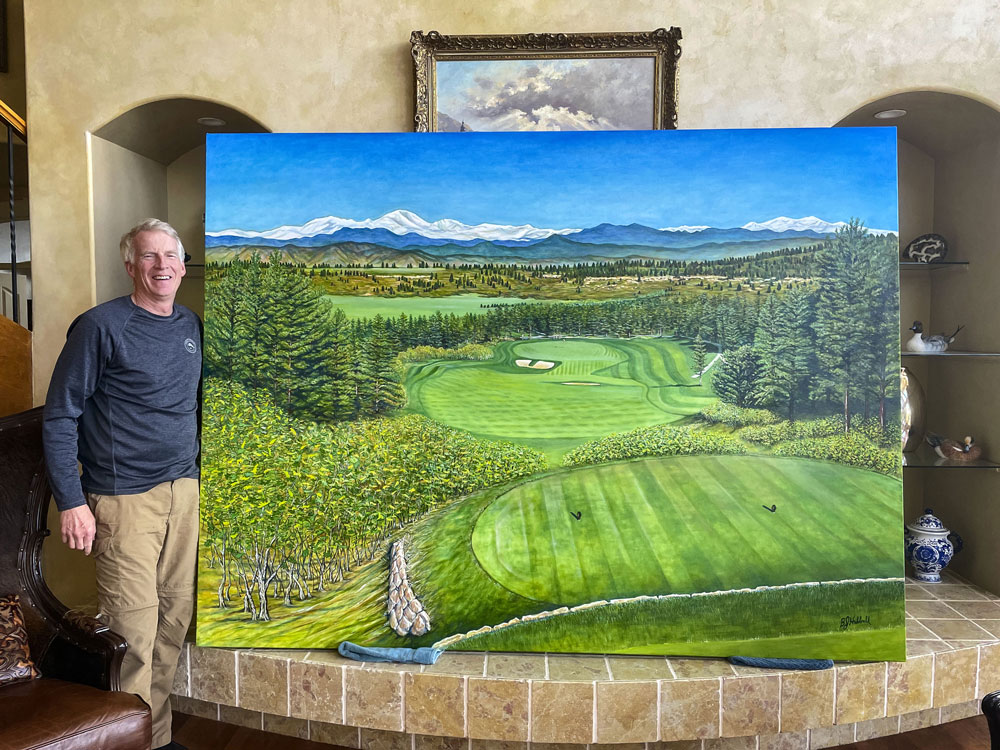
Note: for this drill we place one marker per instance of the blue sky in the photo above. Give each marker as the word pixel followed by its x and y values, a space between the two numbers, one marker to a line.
pixel 722 178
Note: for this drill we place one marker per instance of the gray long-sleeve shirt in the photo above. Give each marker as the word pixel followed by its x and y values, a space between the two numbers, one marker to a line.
pixel 123 400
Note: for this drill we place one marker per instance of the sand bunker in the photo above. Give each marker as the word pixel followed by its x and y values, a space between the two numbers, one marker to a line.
pixel 539 364
pixel 579 384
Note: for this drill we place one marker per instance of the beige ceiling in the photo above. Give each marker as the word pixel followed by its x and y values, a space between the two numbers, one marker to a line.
pixel 937 123
pixel 166 129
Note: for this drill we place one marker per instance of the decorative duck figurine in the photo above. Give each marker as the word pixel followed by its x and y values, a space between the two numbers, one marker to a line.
pixel 967 450
pixel 923 342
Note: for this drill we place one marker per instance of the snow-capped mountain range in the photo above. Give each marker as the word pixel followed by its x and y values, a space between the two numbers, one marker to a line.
pixel 403 223
pixel 448 240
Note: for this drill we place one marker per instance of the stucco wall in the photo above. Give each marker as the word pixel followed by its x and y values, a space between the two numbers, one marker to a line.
pixel 320 66
pixel 315 65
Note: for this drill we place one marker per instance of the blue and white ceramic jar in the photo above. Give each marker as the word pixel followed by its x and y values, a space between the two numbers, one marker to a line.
pixel 928 547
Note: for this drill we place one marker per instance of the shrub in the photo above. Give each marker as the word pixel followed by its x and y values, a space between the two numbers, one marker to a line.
pixel 852 449
pixel 658 440
pixel 735 416
pixel 478 352
pixel 784 431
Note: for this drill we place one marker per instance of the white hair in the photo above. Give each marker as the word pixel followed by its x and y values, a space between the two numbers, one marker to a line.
pixel 127 244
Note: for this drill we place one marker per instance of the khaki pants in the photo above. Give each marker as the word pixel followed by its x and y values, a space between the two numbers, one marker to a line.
pixel 145 552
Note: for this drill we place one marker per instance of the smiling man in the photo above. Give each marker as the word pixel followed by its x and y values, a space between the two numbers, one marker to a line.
pixel 123 401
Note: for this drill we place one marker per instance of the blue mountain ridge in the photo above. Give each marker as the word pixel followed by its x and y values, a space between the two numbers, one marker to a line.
pixel 602 234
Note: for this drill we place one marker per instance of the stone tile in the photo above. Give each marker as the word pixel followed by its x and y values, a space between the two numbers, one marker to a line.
pixel 914 630
pixel 552 705
pixel 378 739
pixel 498 709
pixel 373 700
pixel 626 712
pixel 329 657
pixel 180 686
pixel 429 742
pixel 263 683
pixel 470 663
pixel 516 666
pixel 335 734
pixel 955 677
pixel 915 593
pixel 991 626
pixel 806 700
pixel 316 691
pixel 639 668
pixel 697 668
pixel 194 707
pixel 213 675
pixel 955 592
pixel 784 741
pixel 499 745
pixel 929 717
pixel 750 705
pixel 286 726
pixel 960 711
pixel 909 685
pixel 577 668
pixel 869 730
pixel 614 746
pixel 689 709
pixel 835 736
pixel 989 668
pixel 922 610
pixel 860 692
pixel 678 745
pixel 434 704
pixel 732 743
pixel 957 645
pixel 241 717
pixel 919 648
pixel 977 610
pixel 957 630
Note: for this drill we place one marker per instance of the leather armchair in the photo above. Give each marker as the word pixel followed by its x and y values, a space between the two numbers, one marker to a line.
pixel 991 709
pixel 76 703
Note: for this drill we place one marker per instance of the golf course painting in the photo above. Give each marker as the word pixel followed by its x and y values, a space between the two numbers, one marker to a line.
pixel 599 392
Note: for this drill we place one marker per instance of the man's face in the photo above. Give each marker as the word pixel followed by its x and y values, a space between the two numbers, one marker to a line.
pixel 157 267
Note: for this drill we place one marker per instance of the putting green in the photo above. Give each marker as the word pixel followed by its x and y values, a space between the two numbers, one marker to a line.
pixel 689 523
pixel 630 383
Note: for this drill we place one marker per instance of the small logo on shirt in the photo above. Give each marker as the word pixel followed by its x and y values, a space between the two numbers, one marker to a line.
pixel 190 345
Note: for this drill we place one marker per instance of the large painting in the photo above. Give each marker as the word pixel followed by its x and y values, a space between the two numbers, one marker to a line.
pixel 630 392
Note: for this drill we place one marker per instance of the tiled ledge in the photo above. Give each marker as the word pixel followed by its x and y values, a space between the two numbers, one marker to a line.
pixel 507 701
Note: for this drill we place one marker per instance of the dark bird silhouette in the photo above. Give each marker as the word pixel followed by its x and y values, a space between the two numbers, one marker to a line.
pixel 773 508
pixel 578 515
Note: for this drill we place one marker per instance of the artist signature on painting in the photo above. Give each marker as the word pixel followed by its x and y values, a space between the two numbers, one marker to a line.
pixel 847 622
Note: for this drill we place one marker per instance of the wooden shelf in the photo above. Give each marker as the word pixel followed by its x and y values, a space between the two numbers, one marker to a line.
pixel 906 265
pixel 924 457
pixel 950 353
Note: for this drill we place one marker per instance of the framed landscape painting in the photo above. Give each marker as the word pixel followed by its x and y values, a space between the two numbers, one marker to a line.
pixel 610 81
pixel 630 393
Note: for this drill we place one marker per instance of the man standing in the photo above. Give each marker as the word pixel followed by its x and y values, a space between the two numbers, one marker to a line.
pixel 124 402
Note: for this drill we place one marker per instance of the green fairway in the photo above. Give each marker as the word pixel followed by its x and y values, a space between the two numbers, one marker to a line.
pixel 689 523
pixel 555 394
pixel 391 307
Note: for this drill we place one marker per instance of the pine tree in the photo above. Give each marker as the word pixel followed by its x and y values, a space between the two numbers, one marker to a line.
pixel 737 379
pixel 793 350
pixel 699 357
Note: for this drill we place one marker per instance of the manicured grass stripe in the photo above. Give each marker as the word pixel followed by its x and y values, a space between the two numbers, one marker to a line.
pixel 694 523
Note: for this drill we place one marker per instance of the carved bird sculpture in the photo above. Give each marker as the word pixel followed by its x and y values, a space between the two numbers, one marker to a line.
pixel 926 342
pixel 967 450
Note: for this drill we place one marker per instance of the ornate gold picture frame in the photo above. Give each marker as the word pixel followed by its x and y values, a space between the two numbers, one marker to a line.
pixel 603 81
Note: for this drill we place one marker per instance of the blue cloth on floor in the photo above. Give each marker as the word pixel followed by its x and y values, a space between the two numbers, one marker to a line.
pixel 401 655
pixel 759 661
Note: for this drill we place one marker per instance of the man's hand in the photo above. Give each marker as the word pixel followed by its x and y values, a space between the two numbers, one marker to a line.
pixel 78 528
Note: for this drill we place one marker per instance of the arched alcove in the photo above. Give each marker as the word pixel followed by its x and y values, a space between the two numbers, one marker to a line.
pixel 150 161
pixel 949 183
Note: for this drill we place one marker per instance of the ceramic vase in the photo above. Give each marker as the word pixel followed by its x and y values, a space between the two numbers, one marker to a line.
pixel 929 548
pixel 911 410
